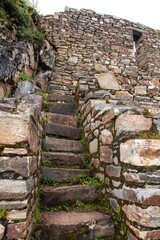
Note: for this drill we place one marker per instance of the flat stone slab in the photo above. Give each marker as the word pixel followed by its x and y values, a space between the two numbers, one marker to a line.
pixel 63 108
pixel 63 131
pixel 58 195
pixel 17 189
pixel 80 225
pixel 66 120
pixel 24 166
pixel 55 144
pixel 58 98
pixel 62 158
pixel 62 174
pixel 141 152
pixel 132 123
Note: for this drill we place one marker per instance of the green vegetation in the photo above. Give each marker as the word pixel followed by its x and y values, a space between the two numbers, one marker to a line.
pixel 3 213
pixel 33 36
pixel 23 16
pixel 23 77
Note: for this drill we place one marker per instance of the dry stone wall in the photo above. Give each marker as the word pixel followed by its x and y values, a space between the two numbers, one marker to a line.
pixel 113 65
pixel 21 129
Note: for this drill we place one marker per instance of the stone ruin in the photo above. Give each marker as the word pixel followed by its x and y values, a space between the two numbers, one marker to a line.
pixel 114 68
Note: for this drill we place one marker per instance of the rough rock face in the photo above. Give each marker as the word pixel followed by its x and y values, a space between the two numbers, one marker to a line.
pixel 15 58
pixel 47 55
pixel 25 88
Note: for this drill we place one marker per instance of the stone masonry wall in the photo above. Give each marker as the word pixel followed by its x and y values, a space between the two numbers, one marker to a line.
pixel 20 130
pixel 114 67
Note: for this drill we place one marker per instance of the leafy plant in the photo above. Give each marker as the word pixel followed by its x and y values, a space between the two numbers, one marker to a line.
pixel 3 213
pixel 79 204
pixel 33 36
pixel 23 15
pixel 49 181
pixel 23 77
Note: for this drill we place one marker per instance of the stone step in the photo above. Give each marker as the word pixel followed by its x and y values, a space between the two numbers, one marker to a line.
pixel 65 145
pixel 63 158
pixel 61 119
pixel 63 108
pixel 56 86
pixel 63 131
pixel 62 174
pixel 75 225
pixel 60 92
pixel 61 98
pixel 68 194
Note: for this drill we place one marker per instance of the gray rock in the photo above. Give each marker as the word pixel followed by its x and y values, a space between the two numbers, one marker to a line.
pixel 157 123
pixel 24 88
pixel 47 55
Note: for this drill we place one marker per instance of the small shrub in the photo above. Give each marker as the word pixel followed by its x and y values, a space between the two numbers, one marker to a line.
pixel 23 77
pixel 33 36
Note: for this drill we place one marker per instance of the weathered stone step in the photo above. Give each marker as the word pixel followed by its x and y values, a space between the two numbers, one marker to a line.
pixel 68 194
pixel 59 92
pixel 62 158
pixel 63 108
pixel 75 225
pixel 55 144
pixel 57 86
pixel 62 174
pixel 61 98
pixel 63 131
pixel 66 120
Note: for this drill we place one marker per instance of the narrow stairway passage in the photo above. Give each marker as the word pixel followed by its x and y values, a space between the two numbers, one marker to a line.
pixel 62 172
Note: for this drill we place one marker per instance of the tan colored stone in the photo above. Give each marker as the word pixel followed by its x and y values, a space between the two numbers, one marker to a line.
pixel 73 60
pixel 132 123
pixel 2 229
pixel 106 154
pixel 155 82
pixel 108 81
pixel 93 146
pixel 15 132
pixel 95 162
pixel 106 137
pixel 141 152
pixel 108 116
pixel 16 151
pixel 147 217
pixel 145 235
pixel 140 90
pixel 22 129
pixel 123 96
pixel 17 231
pixel 100 67
pixel 13 204
pixel 2 90
pixel 17 214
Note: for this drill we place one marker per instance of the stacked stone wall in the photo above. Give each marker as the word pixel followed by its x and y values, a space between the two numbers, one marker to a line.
pixel 21 130
pixel 114 66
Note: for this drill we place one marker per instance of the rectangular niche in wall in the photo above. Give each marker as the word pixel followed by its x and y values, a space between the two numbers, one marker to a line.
pixel 137 38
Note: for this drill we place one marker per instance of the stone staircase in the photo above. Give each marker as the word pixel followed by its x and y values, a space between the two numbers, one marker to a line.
pixel 62 167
